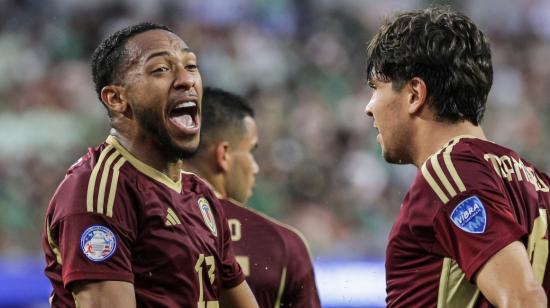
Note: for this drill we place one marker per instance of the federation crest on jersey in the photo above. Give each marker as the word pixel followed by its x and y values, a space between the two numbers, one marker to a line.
pixel 98 243
pixel 207 215
pixel 469 215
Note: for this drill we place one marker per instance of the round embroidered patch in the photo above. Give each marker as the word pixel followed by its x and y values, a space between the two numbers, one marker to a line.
pixel 98 243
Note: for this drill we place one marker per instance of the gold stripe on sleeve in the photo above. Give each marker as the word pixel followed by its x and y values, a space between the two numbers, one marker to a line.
pixel 53 245
pixel 451 167
pixel 114 184
pixel 103 182
pixel 433 184
pixel 92 180
pixel 281 288
pixel 442 176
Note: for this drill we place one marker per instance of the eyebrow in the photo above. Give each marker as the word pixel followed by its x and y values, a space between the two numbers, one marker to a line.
pixel 165 53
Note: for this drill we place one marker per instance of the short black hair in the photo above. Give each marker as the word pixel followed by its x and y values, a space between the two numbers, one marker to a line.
pixel 222 116
pixel 109 55
pixel 446 50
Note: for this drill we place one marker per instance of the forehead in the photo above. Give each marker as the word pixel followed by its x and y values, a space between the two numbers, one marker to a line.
pixel 250 126
pixel 151 41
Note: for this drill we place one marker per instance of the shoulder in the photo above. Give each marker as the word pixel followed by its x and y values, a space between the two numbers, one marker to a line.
pixel 462 164
pixel 255 221
pixel 92 183
pixel 293 239
pixel 236 210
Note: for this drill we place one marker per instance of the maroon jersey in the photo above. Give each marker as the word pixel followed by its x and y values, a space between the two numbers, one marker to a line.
pixel 468 201
pixel 274 258
pixel 115 218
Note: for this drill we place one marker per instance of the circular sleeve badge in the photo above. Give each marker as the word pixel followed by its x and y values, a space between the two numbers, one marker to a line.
pixel 98 243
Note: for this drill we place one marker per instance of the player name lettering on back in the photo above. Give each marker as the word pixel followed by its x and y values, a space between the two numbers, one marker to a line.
pixel 509 168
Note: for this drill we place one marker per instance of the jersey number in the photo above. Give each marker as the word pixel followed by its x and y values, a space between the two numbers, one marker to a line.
pixel 235 227
pixel 537 247
pixel 211 266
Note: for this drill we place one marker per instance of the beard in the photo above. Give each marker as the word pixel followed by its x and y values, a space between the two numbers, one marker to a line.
pixel 398 151
pixel 393 158
pixel 151 122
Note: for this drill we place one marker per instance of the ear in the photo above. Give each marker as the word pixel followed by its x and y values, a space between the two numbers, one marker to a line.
pixel 114 98
pixel 418 95
pixel 222 156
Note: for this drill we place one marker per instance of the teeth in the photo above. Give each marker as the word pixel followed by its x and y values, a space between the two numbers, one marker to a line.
pixel 186 104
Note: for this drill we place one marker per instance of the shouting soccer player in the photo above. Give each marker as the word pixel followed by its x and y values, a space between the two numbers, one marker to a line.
pixel 273 256
pixel 473 228
pixel 125 228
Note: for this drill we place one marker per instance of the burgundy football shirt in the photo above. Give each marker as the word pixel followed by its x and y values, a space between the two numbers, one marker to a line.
pixel 115 218
pixel 274 258
pixel 468 201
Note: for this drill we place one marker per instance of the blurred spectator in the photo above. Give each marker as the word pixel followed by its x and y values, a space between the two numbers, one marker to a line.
pixel 301 63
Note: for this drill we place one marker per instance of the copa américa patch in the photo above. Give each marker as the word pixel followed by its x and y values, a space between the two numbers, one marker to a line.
pixel 470 216
pixel 207 215
pixel 98 243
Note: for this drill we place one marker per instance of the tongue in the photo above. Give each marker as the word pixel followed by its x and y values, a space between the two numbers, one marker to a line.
pixel 185 121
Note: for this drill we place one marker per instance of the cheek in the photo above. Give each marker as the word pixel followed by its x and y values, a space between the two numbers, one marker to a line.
pixel 198 83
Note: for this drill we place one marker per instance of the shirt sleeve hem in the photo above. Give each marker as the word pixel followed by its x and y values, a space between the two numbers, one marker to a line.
pixel 72 277
pixel 231 283
pixel 485 255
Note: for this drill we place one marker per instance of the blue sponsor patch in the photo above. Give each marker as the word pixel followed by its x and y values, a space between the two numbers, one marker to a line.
pixel 98 243
pixel 469 215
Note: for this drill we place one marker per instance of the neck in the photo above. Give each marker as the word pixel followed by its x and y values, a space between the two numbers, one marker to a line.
pixel 145 149
pixel 215 179
pixel 438 134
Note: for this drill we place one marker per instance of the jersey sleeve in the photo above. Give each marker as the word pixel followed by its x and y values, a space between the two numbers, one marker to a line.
pixel 231 274
pixel 474 219
pixel 300 289
pixel 94 241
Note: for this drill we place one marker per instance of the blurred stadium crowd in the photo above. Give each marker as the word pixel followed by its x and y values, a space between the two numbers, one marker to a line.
pixel 300 62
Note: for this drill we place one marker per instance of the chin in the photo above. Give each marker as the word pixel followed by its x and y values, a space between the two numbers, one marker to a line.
pixel 186 152
pixel 391 157
pixel 181 150
pixel 394 158
pixel 188 144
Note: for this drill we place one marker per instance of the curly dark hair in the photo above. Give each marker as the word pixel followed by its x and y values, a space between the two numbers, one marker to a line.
pixel 108 57
pixel 446 50
pixel 222 115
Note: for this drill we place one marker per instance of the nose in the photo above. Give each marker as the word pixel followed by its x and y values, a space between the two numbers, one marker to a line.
pixel 184 79
pixel 368 109
pixel 255 167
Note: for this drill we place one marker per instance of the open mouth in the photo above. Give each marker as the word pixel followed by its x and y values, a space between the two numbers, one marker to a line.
pixel 185 116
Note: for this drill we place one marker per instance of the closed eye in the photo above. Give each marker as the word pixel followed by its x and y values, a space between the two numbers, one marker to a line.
pixel 161 69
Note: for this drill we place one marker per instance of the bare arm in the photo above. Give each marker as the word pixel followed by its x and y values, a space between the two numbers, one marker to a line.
pixel 507 279
pixel 98 294
pixel 238 297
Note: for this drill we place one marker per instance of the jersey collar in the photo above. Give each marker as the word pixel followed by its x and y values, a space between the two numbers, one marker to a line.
pixel 144 168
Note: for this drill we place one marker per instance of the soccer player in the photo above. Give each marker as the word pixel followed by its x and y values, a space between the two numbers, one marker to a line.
pixel 473 228
pixel 125 228
pixel 273 256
